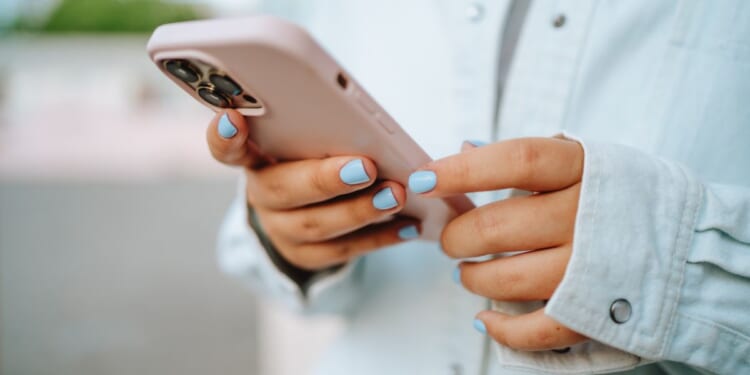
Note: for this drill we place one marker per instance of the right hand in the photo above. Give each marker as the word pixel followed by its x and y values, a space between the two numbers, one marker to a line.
pixel 313 217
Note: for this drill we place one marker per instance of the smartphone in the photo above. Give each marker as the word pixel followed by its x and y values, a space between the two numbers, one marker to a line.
pixel 300 102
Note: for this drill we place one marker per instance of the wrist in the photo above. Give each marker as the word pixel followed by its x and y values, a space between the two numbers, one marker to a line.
pixel 302 277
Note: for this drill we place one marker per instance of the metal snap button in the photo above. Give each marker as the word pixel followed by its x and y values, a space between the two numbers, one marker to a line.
pixel 620 311
pixel 559 21
pixel 474 12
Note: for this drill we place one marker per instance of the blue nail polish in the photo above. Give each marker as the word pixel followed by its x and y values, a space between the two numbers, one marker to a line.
pixel 226 128
pixel 408 233
pixel 422 181
pixel 384 200
pixel 476 143
pixel 479 326
pixel 353 173
pixel 457 275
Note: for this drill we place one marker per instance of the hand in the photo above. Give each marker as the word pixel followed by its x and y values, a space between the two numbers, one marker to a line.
pixel 319 212
pixel 543 222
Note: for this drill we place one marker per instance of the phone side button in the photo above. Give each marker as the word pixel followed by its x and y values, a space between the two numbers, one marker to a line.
pixel 366 103
pixel 386 123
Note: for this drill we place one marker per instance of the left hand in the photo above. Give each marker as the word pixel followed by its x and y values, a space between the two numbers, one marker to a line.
pixel 543 222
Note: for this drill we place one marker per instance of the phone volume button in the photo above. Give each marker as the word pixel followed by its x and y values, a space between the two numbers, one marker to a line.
pixel 366 103
pixel 386 122
pixel 370 107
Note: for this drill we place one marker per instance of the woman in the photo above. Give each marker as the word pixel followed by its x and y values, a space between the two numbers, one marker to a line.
pixel 641 224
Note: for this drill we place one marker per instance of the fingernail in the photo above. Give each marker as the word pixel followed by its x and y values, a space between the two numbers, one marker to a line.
pixel 226 128
pixel 479 326
pixel 422 181
pixel 354 173
pixel 384 200
pixel 408 233
pixel 477 143
pixel 457 275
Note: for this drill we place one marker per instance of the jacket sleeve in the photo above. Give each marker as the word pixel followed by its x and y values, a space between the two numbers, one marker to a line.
pixel 248 256
pixel 661 262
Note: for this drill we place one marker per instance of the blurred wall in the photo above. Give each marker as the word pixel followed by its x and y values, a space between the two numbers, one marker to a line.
pixel 100 278
pixel 109 208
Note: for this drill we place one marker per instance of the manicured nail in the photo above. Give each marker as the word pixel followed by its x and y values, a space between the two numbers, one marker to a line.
pixel 457 275
pixel 226 128
pixel 422 181
pixel 384 200
pixel 479 326
pixel 354 173
pixel 476 143
pixel 408 233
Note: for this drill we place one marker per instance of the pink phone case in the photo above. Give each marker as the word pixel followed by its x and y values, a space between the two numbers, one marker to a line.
pixel 311 108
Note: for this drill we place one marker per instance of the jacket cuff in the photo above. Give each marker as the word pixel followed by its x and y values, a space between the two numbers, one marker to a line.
pixel 590 357
pixel 633 231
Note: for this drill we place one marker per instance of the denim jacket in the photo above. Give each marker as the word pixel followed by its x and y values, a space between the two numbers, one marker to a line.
pixel 658 93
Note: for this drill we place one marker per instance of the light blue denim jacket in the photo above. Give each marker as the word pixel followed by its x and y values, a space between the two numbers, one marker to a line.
pixel 658 92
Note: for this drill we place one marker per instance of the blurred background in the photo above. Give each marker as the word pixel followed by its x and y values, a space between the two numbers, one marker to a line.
pixel 110 204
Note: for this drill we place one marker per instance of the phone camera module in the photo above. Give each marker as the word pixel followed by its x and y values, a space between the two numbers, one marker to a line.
pixel 183 70
pixel 250 99
pixel 225 84
pixel 213 97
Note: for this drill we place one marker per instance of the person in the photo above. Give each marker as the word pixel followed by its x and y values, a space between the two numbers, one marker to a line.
pixel 627 122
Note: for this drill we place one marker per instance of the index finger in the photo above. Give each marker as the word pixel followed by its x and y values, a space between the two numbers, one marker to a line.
pixel 535 164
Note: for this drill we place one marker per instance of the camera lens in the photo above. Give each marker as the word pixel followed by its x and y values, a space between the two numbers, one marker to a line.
pixel 212 97
pixel 225 84
pixel 183 70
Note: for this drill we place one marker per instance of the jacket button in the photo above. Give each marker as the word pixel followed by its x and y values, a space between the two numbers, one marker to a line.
pixel 559 21
pixel 474 12
pixel 620 311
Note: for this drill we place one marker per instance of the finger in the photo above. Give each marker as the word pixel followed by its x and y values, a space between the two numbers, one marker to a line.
pixel 529 332
pixel 299 183
pixel 333 219
pixel 536 164
pixel 531 222
pixel 315 256
pixel 229 142
pixel 528 276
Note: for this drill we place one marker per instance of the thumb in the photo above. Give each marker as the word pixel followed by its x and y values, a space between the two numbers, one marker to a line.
pixel 228 137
